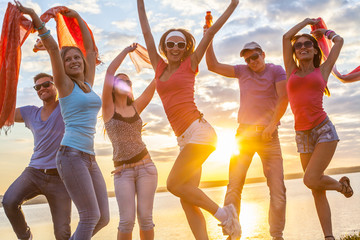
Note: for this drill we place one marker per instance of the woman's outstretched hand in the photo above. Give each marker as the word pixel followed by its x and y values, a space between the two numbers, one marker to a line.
pixel 23 9
pixel 70 13
pixel 132 47
pixel 318 33
pixel 312 21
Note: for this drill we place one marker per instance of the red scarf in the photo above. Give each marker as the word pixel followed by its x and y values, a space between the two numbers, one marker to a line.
pixel 325 46
pixel 16 28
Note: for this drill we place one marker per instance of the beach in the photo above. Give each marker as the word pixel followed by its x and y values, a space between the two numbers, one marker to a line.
pixel 170 222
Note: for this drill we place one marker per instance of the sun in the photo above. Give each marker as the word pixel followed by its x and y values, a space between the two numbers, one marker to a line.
pixel 226 145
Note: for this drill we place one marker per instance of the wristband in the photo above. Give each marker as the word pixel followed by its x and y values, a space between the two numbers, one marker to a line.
pixel 41 27
pixel 332 39
pixel 44 35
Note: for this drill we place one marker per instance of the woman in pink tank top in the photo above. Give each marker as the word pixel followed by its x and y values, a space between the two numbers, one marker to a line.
pixel 316 136
pixel 175 80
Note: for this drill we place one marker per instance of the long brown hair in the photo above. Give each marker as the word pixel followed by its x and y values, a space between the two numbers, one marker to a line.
pixel 317 57
pixel 63 52
pixel 190 42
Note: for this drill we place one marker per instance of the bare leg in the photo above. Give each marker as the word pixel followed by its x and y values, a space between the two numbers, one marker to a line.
pixel 314 177
pixel 124 236
pixel 193 213
pixel 186 166
pixel 323 211
pixel 183 182
pixel 314 165
pixel 147 235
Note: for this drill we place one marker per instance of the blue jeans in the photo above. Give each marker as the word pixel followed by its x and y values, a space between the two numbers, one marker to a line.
pixel 30 184
pixel 140 181
pixel 249 142
pixel 86 186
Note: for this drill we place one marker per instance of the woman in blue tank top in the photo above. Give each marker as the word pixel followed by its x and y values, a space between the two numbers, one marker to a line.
pixel 74 77
pixel 135 174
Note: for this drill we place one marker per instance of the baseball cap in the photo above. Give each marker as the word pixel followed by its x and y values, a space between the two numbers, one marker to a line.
pixel 250 46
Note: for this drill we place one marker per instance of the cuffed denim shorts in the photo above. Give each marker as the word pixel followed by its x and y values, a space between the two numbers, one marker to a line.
pixel 307 140
pixel 199 132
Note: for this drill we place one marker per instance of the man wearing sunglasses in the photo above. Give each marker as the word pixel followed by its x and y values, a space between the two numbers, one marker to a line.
pixel 263 101
pixel 41 176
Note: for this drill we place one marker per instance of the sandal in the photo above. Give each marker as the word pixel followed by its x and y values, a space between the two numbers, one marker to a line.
pixel 331 237
pixel 345 187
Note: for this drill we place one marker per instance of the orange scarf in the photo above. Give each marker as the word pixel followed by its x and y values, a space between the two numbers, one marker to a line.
pixel 16 28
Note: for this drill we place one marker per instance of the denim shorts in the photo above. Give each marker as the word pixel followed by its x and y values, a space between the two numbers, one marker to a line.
pixel 307 140
pixel 199 132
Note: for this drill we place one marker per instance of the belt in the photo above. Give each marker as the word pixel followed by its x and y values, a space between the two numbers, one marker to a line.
pixel 51 171
pixel 255 128
pixel 130 165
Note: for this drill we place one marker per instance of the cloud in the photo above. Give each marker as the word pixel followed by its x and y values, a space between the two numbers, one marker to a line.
pixel 92 6
pixel 128 24
pixel 164 154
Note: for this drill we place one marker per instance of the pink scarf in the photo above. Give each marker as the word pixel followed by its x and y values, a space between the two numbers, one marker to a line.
pixel 325 46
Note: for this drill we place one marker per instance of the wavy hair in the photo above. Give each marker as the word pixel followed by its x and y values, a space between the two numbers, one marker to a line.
pixel 190 42
pixel 317 57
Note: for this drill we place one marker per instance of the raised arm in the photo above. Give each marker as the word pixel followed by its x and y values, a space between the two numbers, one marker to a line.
pixel 210 33
pixel 107 101
pixel 149 39
pixel 62 82
pixel 145 98
pixel 88 45
pixel 338 41
pixel 214 66
pixel 289 62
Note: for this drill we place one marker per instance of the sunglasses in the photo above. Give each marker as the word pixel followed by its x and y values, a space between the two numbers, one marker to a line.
pixel 306 44
pixel 180 45
pixel 252 57
pixel 46 84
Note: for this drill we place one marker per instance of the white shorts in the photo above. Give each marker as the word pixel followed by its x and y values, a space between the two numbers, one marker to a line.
pixel 199 132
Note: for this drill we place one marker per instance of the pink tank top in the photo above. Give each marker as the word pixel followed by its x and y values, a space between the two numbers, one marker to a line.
pixel 306 99
pixel 177 95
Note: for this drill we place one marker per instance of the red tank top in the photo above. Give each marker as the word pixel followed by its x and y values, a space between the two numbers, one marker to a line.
pixel 306 99
pixel 177 95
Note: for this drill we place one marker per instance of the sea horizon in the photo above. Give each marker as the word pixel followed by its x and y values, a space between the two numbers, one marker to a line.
pixel 170 221
pixel 218 183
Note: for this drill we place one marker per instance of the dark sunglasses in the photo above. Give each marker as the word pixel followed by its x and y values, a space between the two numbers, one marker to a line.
pixel 252 57
pixel 46 84
pixel 306 44
pixel 180 45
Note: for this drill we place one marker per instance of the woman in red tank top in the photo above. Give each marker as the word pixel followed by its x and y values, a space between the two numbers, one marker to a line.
pixel 316 137
pixel 175 79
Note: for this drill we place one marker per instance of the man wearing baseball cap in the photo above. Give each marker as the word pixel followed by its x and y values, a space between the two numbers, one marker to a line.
pixel 263 101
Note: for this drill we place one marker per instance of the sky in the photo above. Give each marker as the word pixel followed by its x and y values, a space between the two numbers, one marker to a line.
pixel 115 25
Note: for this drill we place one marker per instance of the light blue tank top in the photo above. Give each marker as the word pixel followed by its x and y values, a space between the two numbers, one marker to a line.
pixel 79 111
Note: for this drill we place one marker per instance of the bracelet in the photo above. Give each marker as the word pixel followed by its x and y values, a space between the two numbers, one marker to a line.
pixel 44 35
pixel 328 33
pixel 332 39
pixel 41 27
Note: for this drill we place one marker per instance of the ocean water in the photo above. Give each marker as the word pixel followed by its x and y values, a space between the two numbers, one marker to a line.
pixel 170 222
